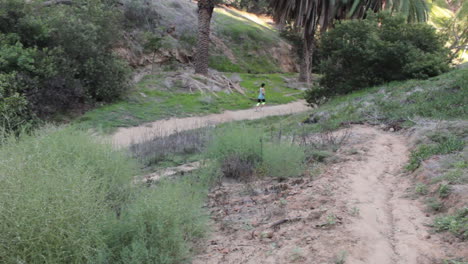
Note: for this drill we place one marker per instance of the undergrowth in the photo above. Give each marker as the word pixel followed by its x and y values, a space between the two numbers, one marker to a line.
pixel 67 198
pixel 456 224
pixel 444 145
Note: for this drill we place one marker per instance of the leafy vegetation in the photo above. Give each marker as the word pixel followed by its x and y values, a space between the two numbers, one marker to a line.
pixel 456 224
pixel 242 152
pixel 443 145
pixel 355 52
pixel 65 198
pixel 56 58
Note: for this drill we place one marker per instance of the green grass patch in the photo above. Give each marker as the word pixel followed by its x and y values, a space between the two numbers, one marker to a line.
pixel 456 224
pixel 242 152
pixel 248 40
pixel 444 145
pixel 151 100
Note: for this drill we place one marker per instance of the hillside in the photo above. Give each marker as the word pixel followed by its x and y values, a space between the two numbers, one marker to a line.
pixel 242 42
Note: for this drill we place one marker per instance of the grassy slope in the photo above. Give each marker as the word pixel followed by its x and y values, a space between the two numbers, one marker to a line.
pixel 162 103
pixel 250 41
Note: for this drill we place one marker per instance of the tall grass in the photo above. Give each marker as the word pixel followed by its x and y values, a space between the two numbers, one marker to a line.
pixel 67 198
pixel 243 151
pixel 57 187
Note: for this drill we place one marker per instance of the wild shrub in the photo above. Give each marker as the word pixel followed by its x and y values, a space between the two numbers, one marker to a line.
pixel 456 224
pixel 59 57
pixel 444 144
pixel 243 151
pixel 362 53
pixel 159 225
pixel 238 150
pixel 181 143
pixel 283 160
pixel 66 198
pixel 57 189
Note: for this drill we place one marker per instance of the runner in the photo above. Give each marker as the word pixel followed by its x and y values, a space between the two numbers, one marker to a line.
pixel 260 98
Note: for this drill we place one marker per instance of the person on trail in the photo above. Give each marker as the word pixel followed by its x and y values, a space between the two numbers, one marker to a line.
pixel 260 98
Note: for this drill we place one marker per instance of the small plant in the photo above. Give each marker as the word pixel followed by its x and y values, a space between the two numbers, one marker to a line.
pixel 456 224
pixel 455 261
pixel 443 145
pixel 434 204
pixel 421 189
pixel 331 220
pixel 355 211
pixel 444 190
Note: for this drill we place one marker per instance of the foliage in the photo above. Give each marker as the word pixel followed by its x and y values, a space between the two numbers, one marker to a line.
pixel 443 145
pixel 380 49
pixel 456 224
pixel 159 225
pixel 283 160
pixel 58 57
pixel 243 151
pixel 66 198
pixel 57 189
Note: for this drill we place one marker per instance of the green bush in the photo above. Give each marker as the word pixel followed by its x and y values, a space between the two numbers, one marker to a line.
pixel 283 160
pixel 242 151
pixel 60 56
pixel 159 225
pixel 237 150
pixel 67 199
pixel 456 224
pixel 362 53
pixel 57 189
pixel 444 145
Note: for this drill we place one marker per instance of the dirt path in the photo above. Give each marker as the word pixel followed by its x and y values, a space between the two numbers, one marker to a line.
pixel 125 136
pixel 357 211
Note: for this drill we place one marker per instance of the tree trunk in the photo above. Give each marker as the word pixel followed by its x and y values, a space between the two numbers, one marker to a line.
pixel 306 60
pixel 205 12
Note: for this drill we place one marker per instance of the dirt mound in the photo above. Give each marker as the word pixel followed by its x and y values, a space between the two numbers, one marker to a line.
pixel 356 211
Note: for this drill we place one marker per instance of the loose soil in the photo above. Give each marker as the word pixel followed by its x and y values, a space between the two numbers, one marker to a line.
pixel 126 136
pixel 357 210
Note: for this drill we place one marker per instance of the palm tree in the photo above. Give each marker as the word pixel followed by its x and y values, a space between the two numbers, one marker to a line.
pixel 312 14
pixel 205 12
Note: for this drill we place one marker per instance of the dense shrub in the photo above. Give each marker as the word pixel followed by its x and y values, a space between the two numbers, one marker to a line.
pixel 58 57
pixel 244 151
pixel 382 48
pixel 57 189
pixel 66 198
pixel 283 160
pixel 159 225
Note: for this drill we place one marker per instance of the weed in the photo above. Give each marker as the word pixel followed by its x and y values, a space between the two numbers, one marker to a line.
pixel 355 211
pixel 421 189
pixel 434 204
pixel 456 224
pixel 184 144
pixel 444 190
pixel 444 145
pixel 58 188
pixel 331 220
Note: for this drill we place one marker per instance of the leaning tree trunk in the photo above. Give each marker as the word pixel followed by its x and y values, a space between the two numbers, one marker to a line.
pixel 306 60
pixel 205 12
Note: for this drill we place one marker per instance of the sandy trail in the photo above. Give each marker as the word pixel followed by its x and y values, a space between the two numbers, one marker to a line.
pixel 357 208
pixel 126 136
